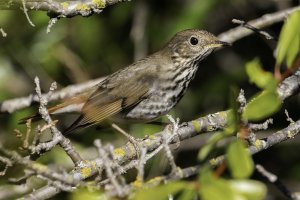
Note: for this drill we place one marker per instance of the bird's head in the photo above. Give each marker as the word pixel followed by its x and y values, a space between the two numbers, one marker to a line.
pixel 193 45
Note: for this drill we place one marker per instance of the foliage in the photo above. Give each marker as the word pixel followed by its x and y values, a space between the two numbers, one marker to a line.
pixel 239 160
pixel 161 191
pixel 79 49
pixel 219 189
pixel 289 41
pixel 266 102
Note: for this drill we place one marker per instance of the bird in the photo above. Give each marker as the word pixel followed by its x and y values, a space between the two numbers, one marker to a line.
pixel 145 90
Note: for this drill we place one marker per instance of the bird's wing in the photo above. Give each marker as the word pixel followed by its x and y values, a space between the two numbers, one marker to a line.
pixel 110 99
pixel 72 104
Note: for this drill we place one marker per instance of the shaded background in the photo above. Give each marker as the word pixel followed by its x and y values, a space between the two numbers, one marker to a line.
pixel 78 49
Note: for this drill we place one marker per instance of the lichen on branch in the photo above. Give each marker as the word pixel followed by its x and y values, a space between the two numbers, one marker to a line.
pixel 56 8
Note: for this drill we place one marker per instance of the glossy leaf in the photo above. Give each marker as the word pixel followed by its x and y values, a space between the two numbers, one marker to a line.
pixel 187 194
pixel 289 40
pixel 211 143
pixel 239 160
pixel 262 106
pixel 86 194
pixel 250 189
pixel 216 189
pixel 160 192
pixel 261 78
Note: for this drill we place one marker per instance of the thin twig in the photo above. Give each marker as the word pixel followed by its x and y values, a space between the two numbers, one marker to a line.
pixel 141 165
pixel 39 169
pixel 166 141
pixel 266 20
pixel 256 30
pixel 288 118
pixel 7 163
pixel 3 33
pixel 241 99
pixel 272 178
pixel 108 167
pixel 51 23
pixel 262 126
pixel 57 137
pixel 26 13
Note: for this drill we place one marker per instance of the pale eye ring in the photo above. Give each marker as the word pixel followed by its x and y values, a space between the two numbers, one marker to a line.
pixel 194 41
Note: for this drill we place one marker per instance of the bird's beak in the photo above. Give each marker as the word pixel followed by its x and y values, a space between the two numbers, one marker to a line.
pixel 218 43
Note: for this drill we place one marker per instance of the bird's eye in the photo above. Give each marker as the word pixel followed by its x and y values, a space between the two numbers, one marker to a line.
pixel 193 41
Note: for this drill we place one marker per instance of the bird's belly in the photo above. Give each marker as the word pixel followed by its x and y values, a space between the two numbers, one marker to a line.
pixel 161 100
pixel 152 107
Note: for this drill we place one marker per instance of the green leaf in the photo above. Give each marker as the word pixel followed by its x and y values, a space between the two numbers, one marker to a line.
pixel 289 40
pixel 261 78
pixel 187 194
pixel 250 189
pixel 263 105
pixel 216 188
pixel 239 160
pixel 86 194
pixel 233 122
pixel 160 192
pixel 219 190
pixel 211 143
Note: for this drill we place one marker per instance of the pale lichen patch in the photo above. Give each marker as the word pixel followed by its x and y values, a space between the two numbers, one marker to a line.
pixel 64 5
pixel 196 125
pixel 260 144
pixel 85 172
pixel 82 7
pixel 99 3
pixel 119 152
pixel 138 182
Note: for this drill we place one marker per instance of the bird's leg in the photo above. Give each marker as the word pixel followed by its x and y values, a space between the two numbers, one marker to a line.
pixel 176 141
pixel 173 127
pixel 183 124
pixel 131 139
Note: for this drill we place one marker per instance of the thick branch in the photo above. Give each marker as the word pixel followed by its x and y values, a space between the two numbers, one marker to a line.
pixel 276 138
pixel 39 169
pixel 55 8
pixel 287 133
pixel 208 123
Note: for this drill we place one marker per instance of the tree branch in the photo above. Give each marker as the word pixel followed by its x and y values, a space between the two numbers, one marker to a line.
pixel 208 123
pixel 276 138
pixel 239 32
pixel 55 8
pixel 57 136
pixel 287 133
pixel 16 104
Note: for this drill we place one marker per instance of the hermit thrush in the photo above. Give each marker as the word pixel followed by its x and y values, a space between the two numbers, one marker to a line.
pixel 148 88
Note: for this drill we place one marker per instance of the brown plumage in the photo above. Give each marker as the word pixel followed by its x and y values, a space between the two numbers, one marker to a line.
pixel 147 88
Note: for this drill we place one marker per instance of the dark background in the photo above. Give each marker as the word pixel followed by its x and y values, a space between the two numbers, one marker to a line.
pixel 78 49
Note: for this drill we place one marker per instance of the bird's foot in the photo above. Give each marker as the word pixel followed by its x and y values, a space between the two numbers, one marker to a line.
pixel 134 141
pixel 183 124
